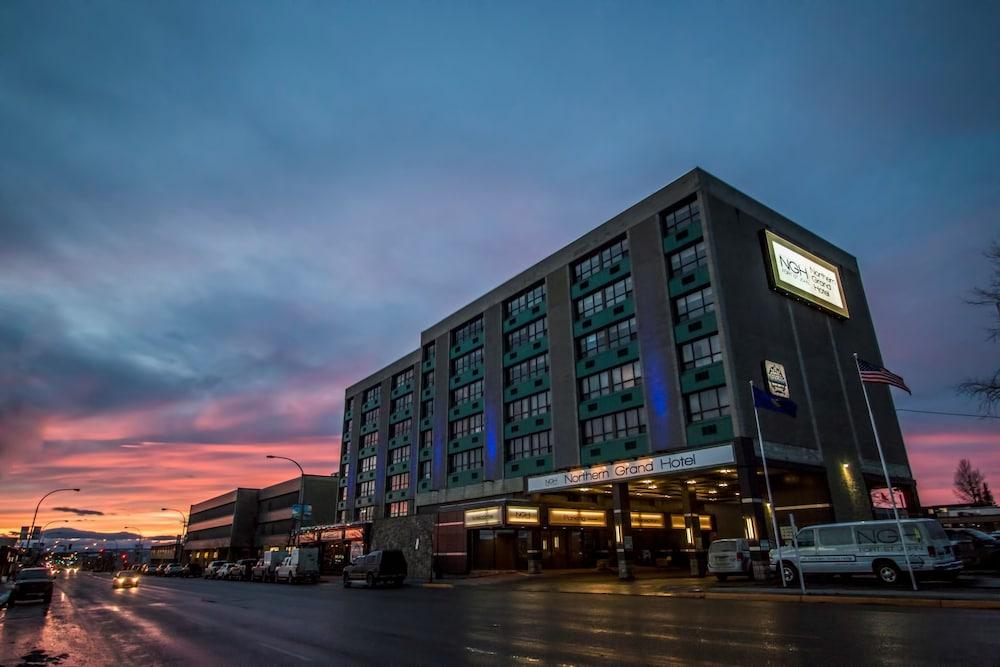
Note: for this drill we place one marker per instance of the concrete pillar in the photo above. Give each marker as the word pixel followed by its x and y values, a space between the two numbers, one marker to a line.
pixel 535 551
pixel 692 530
pixel 622 520
pixel 756 522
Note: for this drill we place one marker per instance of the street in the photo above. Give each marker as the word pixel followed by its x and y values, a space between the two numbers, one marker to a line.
pixel 197 622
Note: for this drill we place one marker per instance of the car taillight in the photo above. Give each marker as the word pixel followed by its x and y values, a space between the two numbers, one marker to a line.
pixel 931 551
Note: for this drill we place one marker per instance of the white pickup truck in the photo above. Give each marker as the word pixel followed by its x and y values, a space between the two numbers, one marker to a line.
pixel 301 565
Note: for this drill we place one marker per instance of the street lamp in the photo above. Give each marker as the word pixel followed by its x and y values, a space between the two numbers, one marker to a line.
pixel 138 552
pixel 302 475
pixel 34 517
pixel 41 533
pixel 178 553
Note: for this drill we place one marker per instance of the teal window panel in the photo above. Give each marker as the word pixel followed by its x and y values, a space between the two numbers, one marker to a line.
pixel 689 282
pixel 467 345
pixel 526 351
pixel 369 428
pixel 601 278
pixel 396 468
pixel 709 431
pixel 348 415
pixel 525 316
pixel 427 366
pixel 401 390
pixel 465 409
pixel 427 393
pixel 705 377
pixel 470 441
pixel 398 494
pixel 608 359
pixel 603 318
pixel 424 485
pixel 614 450
pixel 425 454
pixel 370 405
pixel 696 328
pixel 368 451
pixel 366 476
pixel 400 415
pixel 341 505
pixel 683 237
pixel 366 500
pixel 471 375
pixel 616 402
pixel 426 424
pixel 531 465
pixel 532 386
pixel 399 441
pixel 528 425
pixel 466 477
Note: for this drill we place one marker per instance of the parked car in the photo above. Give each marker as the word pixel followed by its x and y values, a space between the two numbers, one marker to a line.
pixel 241 570
pixel 125 579
pixel 870 547
pixel 377 567
pixel 300 565
pixel 986 549
pixel 212 568
pixel 192 570
pixel 268 563
pixel 31 583
pixel 174 570
pixel 223 571
pixel 160 570
pixel 729 557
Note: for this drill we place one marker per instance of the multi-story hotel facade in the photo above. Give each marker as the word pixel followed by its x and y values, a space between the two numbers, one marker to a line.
pixel 597 406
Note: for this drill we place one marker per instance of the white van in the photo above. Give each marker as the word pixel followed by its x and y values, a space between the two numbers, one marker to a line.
pixel 729 557
pixel 870 547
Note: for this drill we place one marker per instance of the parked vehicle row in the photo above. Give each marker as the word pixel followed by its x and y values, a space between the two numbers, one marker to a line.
pixel 297 566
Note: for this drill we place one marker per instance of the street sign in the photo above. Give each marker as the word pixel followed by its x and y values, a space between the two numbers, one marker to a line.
pixel 303 512
pixel 24 532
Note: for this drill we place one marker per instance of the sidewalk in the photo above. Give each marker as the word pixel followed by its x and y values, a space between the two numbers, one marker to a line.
pixel 978 592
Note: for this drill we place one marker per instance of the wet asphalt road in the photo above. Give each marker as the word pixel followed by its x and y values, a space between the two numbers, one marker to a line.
pixel 196 622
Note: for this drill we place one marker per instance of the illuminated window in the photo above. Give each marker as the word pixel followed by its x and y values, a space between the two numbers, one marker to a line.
pixel 369 439
pixel 600 260
pixel 612 427
pixel 604 298
pixel 608 338
pixel 373 394
pixel 367 464
pixel 701 352
pixel 426 439
pixel 614 379
pixel 399 455
pixel 366 488
pixel 347 429
pixel 366 513
pixel 400 508
pixel 370 417
pixel 708 404
pixel 399 482
pixel 526 300
pixel 695 304
pixel 401 403
pixel 400 428
pixel 424 470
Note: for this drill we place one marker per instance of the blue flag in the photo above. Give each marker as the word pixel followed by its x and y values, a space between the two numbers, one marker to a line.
pixel 762 399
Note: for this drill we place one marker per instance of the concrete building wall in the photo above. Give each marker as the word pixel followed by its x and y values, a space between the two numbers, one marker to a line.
pixel 413 535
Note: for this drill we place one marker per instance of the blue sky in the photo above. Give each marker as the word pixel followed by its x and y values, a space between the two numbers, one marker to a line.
pixel 214 216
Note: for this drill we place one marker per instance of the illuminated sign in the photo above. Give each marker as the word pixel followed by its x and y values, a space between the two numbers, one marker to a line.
pixel 560 517
pixel 677 521
pixel 777 381
pixel 484 516
pixel 705 522
pixel 523 516
pixel 647 520
pixel 691 459
pixel 797 272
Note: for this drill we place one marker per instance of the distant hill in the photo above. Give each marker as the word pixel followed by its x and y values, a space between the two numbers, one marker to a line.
pixel 123 536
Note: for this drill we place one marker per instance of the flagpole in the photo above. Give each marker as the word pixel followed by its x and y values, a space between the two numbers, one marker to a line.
pixel 885 472
pixel 767 482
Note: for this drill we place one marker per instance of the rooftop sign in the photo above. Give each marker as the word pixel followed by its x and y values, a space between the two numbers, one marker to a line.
pixel 797 272
pixel 605 473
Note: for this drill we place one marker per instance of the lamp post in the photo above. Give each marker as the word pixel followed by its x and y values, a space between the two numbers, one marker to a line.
pixel 178 552
pixel 138 552
pixel 34 516
pixel 41 533
pixel 302 475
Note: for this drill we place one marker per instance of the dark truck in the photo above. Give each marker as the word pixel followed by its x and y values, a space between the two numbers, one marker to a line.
pixel 32 583
pixel 378 567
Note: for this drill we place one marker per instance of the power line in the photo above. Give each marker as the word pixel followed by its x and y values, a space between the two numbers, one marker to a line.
pixel 950 414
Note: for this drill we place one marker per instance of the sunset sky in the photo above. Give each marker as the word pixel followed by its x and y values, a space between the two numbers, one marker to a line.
pixel 215 216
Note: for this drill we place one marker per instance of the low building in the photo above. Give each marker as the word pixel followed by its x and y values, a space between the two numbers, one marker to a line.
pixel 222 528
pixel 168 552
pixel 986 519
pixel 275 523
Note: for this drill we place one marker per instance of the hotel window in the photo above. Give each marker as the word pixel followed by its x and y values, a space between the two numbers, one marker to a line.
pixel 526 370
pixel 470 329
pixel 367 464
pixel 366 513
pixel 466 426
pixel 600 260
pixel 526 334
pixel 695 304
pixel 345 470
pixel 535 444
pixel 342 493
pixel 604 298
pixel 400 379
pixel 708 404
pixel 429 351
pixel 611 380
pixel 342 516
pixel 424 470
pixel 529 406
pixel 467 361
pixel 402 403
pixel 428 380
pixel 349 404
pixel 397 509
pixel 616 335
pixel 681 215
pixel 370 417
pixel 687 259
pixel 369 439
pixel 426 439
pixel 427 408
pixel 366 488
pixel 612 427
pixel 400 428
pixel 701 352
pixel 526 300
pixel 399 482
pixel 469 392
pixel 373 394
pixel 467 460
pixel 399 455
pixel 347 429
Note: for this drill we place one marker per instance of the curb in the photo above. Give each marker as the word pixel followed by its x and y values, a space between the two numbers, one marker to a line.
pixel 828 599
pixel 437 585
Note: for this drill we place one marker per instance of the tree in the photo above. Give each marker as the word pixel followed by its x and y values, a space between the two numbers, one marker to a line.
pixel 970 485
pixel 987 389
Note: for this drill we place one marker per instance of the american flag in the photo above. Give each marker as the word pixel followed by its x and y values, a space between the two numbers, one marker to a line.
pixel 872 373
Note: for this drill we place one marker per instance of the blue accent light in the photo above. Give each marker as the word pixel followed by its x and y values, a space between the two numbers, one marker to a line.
pixel 490 424
pixel 656 380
